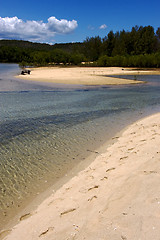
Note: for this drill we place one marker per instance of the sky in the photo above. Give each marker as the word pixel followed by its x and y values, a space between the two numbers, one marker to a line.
pixel 50 21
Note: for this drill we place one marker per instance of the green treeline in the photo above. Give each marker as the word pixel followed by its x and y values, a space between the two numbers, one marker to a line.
pixel 139 47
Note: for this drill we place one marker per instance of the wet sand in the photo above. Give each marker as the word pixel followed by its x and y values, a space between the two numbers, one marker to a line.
pixel 83 75
pixel 116 197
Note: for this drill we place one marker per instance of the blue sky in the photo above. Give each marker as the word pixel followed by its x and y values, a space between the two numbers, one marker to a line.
pixel 41 21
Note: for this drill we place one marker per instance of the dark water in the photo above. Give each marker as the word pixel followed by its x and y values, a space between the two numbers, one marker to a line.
pixel 47 130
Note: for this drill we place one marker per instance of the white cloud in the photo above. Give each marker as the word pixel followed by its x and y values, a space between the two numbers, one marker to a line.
pixel 14 28
pixel 90 27
pixel 61 26
pixel 103 26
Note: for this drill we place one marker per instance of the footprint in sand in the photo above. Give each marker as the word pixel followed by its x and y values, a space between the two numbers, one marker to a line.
pixel 46 231
pixel 90 199
pixel 96 186
pixel 110 169
pixel 85 190
pixel 149 172
pixel 4 233
pixel 130 149
pixel 104 178
pixel 25 216
pixel 68 211
pixel 121 158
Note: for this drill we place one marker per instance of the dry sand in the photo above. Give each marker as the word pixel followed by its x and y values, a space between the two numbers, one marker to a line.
pixel 116 197
pixel 82 75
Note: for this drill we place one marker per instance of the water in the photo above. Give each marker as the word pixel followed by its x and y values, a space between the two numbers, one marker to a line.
pixel 45 131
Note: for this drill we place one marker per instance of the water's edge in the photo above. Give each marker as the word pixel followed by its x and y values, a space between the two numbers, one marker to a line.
pixel 32 206
pixel 48 134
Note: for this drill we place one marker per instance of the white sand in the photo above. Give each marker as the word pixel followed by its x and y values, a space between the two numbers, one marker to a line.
pixel 81 75
pixel 116 197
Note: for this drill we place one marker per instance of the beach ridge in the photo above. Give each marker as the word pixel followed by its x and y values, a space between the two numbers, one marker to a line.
pixel 115 197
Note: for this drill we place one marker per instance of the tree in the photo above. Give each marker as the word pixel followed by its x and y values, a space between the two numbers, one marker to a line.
pixel 92 48
pixel 77 58
pixel 108 44
pixel 145 40
pixel 158 39
pixel 120 44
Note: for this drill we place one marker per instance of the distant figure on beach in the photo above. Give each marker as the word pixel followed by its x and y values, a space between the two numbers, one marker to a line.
pixel 25 72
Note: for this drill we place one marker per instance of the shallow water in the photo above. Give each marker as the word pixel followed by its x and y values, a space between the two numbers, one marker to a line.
pixel 47 130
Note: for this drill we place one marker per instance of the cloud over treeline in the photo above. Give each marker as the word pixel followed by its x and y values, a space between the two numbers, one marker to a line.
pixel 15 28
pixel 103 26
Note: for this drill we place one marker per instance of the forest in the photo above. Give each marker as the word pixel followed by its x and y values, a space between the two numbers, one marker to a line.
pixel 139 47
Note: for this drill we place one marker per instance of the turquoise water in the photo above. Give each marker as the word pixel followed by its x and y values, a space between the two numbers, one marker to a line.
pixel 47 130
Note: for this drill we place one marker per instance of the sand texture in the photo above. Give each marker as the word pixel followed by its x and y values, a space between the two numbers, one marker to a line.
pixel 116 197
pixel 81 75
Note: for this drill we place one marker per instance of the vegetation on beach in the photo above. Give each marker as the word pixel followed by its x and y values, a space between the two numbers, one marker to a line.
pixel 139 47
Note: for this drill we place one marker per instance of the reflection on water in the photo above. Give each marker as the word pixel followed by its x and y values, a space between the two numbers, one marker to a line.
pixel 45 131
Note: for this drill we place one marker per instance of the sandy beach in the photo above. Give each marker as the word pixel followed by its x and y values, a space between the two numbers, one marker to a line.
pixel 84 75
pixel 116 197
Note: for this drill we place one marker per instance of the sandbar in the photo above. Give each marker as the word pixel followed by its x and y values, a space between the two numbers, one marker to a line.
pixel 84 75
pixel 116 197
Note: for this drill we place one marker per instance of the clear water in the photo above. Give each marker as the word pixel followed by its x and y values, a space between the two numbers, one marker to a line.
pixel 47 130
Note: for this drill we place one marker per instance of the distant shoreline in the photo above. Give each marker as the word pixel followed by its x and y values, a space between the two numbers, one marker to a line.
pixel 85 75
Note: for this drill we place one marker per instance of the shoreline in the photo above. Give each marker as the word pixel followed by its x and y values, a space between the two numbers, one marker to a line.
pixel 89 76
pixel 78 202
